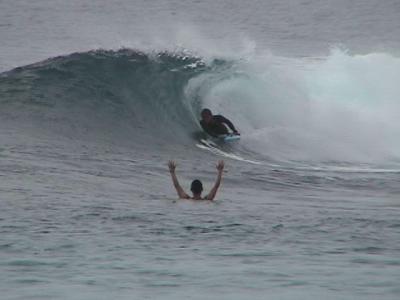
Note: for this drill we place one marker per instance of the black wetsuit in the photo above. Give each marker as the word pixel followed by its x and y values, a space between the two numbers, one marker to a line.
pixel 217 127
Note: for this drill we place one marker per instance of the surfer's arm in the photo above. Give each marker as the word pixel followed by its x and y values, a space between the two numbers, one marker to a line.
pixel 213 192
pixel 179 189
pixel 230 124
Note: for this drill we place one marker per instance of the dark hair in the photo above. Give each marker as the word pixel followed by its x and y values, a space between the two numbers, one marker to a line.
pixel 206 111
pixel 196 187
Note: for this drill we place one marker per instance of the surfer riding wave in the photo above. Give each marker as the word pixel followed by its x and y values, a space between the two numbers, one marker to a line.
pixel 216 125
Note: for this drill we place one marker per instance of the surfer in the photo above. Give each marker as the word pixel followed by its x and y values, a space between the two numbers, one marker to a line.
pixel 196 186
pixel 216 125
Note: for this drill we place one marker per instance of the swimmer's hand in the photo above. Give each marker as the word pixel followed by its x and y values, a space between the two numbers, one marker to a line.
pixel 179 190
pixel 172 166
pixel 220 166
pixel 236 133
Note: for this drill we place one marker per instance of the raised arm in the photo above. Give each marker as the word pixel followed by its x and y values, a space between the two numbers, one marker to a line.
pixel 179 189
pixel 213 192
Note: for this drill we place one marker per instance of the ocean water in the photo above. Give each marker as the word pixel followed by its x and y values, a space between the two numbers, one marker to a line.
pixel 97 96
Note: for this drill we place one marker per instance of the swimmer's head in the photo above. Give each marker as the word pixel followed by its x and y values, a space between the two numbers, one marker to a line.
pixel 196 187
pixel 206 115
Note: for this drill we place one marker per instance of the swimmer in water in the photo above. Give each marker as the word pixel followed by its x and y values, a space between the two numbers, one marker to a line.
pixel 196 186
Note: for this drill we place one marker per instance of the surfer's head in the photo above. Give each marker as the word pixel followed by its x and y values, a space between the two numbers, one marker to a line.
pixel 206 115
pixel 196 187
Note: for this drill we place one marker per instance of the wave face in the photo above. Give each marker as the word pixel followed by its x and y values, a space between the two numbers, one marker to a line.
pixel 342 108
pixel 123 94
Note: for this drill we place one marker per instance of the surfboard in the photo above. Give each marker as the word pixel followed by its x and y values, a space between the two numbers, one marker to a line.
pixel 229 137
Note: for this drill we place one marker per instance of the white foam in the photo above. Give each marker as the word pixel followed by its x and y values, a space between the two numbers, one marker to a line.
pixel 343 107
pixel 214 149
